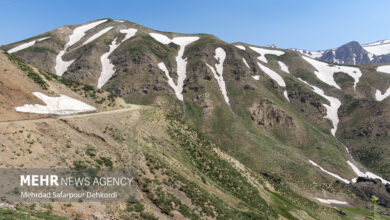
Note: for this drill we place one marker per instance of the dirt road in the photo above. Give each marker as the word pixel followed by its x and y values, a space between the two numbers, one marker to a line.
pixel 85 115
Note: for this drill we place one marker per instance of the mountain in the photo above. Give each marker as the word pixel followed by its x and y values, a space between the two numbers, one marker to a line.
pixel 350 53
pixel 145 138
pixel 215 130
pixel 353 53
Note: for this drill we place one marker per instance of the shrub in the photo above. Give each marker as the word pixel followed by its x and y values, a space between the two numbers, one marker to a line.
pixel 107 161
pixel 78 164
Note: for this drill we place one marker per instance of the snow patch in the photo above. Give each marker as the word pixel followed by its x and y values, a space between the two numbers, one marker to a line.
pixel 178 90
pixel 283 67
pixel 272 74
pixel 262 52
pixel 286 95
pixel 97 35
pixel 329 173
pixel 77 34
pixel 331 110
pixel 62 105
pixel 365 174
pixel 332 201
pixel 370 56
pixel 107 66
pixel 257 77
pixel 325 71
pixel 246 64
pixel 61 65
pixel 378 94
pixel 161 38
pixel 378 48
pixel 312 54
pixel 380 97
pixel 240 47
pixel 26 45
pixel 181 62
pixel 220 55
pixel 120 21
pixel 383 69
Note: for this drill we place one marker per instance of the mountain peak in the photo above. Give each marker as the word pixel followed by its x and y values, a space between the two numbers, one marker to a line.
pixel 349 53
pixel 352 44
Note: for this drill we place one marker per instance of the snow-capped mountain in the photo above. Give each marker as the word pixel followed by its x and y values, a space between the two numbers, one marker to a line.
pixel 270 120
pixel 353 53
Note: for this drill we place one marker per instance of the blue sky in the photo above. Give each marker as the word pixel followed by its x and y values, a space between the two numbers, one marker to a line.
pixel 307 24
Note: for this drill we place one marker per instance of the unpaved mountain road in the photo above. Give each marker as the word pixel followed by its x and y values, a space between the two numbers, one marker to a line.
pixel 85 115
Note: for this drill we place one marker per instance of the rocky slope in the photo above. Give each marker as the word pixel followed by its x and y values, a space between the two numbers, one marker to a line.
pixel 273 111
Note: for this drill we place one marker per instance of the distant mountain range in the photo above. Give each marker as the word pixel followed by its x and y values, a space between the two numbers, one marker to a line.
pixel 354 53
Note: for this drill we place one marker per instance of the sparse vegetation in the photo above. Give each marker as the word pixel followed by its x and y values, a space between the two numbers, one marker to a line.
pixel 79 164
pixel 205 159
pixel 106 161
pixel 28 70
pixel 27 213
pixel 69 83
pixel 374 200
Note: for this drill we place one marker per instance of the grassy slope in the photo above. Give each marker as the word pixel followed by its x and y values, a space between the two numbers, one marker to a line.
pixel 364 123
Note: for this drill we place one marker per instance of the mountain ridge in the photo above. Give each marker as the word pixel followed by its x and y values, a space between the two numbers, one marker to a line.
pixel 353 53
